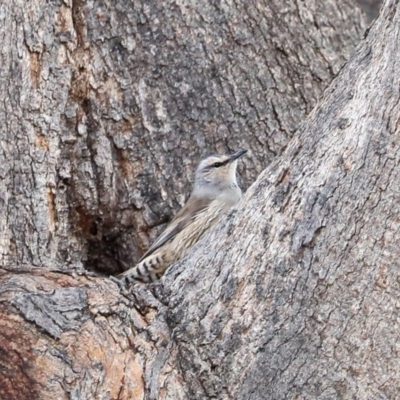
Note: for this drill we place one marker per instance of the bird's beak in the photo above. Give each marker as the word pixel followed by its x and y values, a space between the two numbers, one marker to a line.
pixel 236 155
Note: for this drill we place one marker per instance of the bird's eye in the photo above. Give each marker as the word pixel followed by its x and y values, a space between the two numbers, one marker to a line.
pixel 217 165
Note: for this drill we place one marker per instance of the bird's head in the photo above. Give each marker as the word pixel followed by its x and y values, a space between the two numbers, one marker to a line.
pixel 216 174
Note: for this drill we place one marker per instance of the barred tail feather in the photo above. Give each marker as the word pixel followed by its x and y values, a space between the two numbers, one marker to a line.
pixel 148 270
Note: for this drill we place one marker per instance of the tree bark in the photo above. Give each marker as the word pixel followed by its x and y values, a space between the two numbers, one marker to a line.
pixel 106 109
pixel 295 294
pixel 371 8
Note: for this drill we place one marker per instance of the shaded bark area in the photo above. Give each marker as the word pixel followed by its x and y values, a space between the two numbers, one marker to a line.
pixel 108 106
pixel 371 7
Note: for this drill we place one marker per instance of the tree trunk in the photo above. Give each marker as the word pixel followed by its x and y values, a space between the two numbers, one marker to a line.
pixel 295 294
pixel 107 107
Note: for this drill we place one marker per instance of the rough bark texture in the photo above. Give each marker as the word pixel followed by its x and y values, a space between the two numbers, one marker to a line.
pixel 106 108
pixel 296 296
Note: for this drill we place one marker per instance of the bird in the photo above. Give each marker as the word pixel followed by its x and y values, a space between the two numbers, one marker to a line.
pixel 215 191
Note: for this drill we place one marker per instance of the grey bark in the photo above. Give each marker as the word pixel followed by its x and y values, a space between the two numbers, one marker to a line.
pixel 371 7
pixel 106 108
pixel 295 296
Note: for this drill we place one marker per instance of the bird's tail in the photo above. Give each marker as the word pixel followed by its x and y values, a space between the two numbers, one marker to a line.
pixel 148 270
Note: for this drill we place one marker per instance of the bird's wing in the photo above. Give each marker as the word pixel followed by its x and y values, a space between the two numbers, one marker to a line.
pixel 184 218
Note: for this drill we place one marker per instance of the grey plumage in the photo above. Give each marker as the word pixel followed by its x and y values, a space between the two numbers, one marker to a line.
pixel 215 191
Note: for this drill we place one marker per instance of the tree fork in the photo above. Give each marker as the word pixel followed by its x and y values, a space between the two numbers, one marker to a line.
pixel 70 334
